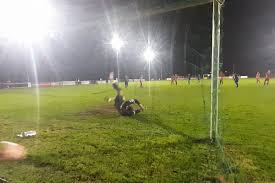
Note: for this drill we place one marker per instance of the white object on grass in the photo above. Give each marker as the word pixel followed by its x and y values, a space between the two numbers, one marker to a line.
pixel 27 134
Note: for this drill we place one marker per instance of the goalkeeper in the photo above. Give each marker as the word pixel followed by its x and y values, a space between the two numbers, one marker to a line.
pixel 125 108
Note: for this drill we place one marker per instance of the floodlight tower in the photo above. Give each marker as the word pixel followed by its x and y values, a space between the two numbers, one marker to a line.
pixel 117 44
pixel 149 56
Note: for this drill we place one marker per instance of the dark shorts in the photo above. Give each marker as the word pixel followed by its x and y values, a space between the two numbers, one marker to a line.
pixel 127 110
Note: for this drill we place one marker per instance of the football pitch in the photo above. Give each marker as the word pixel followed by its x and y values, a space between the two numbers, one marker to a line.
pixel 81 138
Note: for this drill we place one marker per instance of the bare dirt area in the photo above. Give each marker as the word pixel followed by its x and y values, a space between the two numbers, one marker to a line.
pixel 105 110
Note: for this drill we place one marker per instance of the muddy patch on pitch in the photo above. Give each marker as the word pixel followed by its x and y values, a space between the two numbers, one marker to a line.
pixel 99 111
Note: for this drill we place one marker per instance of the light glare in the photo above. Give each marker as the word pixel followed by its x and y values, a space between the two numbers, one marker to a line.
pixel 25 20
pixel 149 54
pixel 116 42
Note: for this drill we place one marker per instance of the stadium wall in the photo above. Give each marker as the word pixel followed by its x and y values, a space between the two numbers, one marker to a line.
pixel 74 83
pixel 53 84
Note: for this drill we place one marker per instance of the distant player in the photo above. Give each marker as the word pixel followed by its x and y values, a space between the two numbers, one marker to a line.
pixel 174 79
pixel 199 78
pixel 124 107
pixel 236 79
pixel 189 78
pixel 141 81
pixel 221 78
pixel 258 78
pixel 267 78
pixel 126 81
pixel 111 77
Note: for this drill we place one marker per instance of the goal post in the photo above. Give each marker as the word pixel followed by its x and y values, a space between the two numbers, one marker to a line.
pixel 216 39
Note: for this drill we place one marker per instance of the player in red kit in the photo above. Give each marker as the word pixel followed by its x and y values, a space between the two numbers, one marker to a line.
pixel 267 78
pixel 174 79
pixel 141 81
pixel 258 78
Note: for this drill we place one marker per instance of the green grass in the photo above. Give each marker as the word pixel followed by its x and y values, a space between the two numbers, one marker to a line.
pixel 81 138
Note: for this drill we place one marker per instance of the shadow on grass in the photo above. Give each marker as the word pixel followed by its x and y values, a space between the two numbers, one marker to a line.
pixel 155 119
pixel 50 160
pixel 102 112
pixel 43 160
pixel 55 162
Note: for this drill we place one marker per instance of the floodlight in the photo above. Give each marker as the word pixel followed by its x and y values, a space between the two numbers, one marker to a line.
pixel 149 54
pixel 116 42
pixel 25 20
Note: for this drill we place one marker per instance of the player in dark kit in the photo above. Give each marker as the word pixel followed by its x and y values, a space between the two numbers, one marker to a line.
pixel 236 79
pixel 199 78
pixel 126 81
pixel 221 78
pixel 124 107
pixel 189 78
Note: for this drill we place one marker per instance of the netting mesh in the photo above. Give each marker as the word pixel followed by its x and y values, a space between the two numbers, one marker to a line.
pixel 184 133
pixel 217 124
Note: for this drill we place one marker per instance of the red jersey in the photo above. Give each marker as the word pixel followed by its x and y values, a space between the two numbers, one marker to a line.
pixel 221 75
pixel 258 75
pixel 268 75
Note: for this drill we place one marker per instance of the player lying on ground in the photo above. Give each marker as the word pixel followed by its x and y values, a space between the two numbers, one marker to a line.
pixel 124 107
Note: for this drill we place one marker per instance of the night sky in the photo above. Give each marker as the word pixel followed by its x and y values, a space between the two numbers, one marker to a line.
pixel 83 51
pixel 249 40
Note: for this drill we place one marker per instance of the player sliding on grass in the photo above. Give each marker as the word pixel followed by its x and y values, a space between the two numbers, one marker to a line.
pixel 124 107
pixel 267 78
